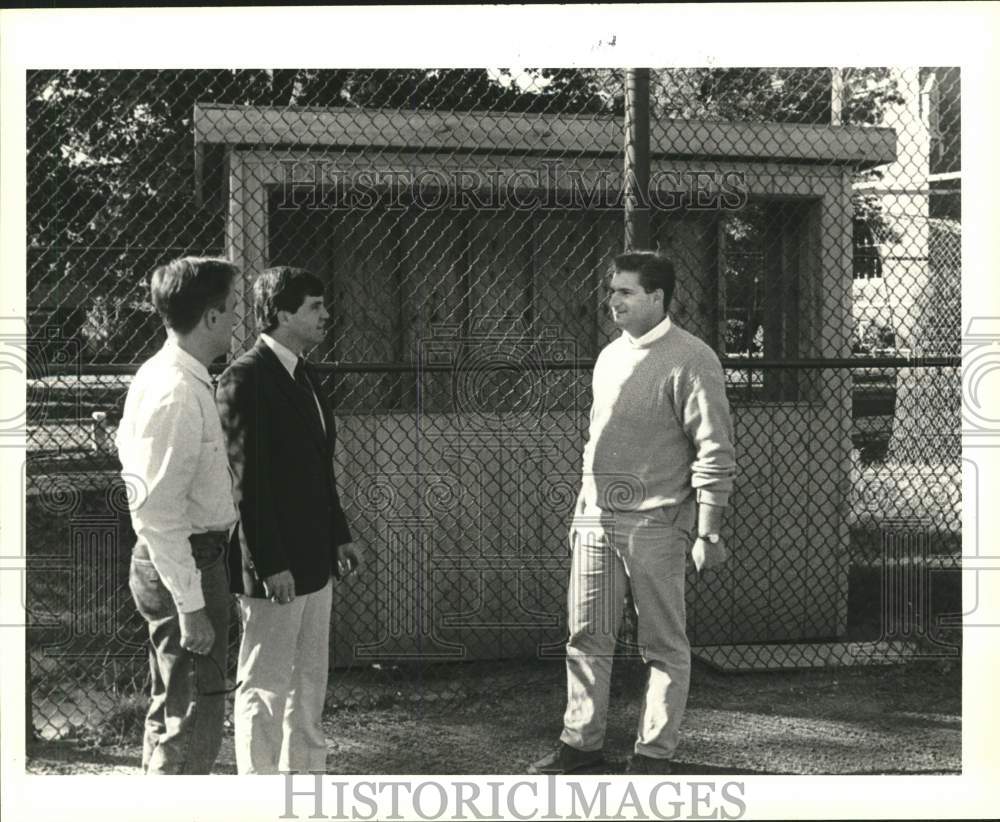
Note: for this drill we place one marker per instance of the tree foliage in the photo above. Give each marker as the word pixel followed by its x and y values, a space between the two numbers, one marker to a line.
pixel 109 152
pixel 111 166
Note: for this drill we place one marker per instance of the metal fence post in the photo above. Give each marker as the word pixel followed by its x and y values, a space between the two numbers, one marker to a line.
pixel 636 158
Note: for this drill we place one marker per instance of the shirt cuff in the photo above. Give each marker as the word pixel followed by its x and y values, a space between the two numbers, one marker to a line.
pixel 707 497
pixel 183 584
pixel 192 600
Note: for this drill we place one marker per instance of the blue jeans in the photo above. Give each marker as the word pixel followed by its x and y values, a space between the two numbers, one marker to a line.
pixel 183 729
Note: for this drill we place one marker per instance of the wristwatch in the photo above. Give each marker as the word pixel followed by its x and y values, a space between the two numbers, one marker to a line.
pixel 712 538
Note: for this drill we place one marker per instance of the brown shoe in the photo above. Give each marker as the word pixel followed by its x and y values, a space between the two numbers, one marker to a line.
pixel 639 764
pixel 568 760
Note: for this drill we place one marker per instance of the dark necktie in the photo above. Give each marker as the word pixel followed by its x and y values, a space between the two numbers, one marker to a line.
pixel 302 381
pixel 300 376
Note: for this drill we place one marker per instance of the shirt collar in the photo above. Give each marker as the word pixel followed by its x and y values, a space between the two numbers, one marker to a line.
pixel 656 332
pixel 285 355
pixel 177 355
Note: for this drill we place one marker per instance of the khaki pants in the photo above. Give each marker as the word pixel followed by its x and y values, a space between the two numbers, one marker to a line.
pixel 283 665
pixel 645 551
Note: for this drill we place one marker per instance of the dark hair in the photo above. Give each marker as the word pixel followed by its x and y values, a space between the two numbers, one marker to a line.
pixel 184 289
pixel 654 270
pixel 282 288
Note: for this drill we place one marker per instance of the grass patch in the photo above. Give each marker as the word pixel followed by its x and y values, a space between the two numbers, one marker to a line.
pixel 122 725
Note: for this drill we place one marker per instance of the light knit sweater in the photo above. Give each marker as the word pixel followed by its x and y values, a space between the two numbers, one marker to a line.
pixel 660 427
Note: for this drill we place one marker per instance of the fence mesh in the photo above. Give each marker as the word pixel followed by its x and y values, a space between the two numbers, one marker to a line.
pixel 463 221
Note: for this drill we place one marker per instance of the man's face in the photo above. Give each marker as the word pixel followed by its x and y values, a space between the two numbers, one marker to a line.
pixel 633 309
pixel 307 326
pixel 221 324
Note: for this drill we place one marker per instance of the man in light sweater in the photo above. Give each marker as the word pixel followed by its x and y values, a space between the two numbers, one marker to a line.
pixel 657 473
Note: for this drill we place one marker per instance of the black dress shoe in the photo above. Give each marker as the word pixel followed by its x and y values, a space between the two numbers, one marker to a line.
pixel 568 760
pixel 639 764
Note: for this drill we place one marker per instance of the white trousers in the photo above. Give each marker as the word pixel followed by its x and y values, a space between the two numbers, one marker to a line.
pixel 645 551
pixel 283 667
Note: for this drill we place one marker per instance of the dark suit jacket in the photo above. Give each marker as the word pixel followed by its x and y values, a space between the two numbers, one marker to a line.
pixel 290 511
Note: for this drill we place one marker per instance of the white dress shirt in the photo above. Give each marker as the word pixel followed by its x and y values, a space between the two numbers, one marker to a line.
pixel 290 359
pixel 172 451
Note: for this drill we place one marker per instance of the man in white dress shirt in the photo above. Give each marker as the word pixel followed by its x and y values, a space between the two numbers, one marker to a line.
pixel 173 455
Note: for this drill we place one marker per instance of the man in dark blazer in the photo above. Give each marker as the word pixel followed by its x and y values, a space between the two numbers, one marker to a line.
pixel 293 535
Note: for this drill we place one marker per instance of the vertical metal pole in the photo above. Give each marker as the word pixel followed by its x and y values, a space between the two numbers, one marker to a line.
pixel 636 159
pixel 836 96
pixel 199 174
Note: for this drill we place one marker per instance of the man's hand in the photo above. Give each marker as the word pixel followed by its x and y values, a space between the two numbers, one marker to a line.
pixel 708 555
pixel 280 587
pixel 197 633
pixel 348 559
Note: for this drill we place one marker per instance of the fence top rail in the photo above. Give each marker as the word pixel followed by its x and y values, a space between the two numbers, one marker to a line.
pixel 338 367
pixel 235 125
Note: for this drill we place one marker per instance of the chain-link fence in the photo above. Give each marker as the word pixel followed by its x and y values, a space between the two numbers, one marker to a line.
pixel 463 221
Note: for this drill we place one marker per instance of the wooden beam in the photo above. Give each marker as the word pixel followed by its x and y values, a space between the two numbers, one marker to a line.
pixel 537 134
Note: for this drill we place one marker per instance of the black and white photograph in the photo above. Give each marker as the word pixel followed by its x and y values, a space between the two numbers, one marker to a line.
pixel 447 438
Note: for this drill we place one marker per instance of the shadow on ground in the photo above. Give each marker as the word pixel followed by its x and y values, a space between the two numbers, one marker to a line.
pixel 902 719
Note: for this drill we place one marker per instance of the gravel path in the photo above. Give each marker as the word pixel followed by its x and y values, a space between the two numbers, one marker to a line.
pixel 903 719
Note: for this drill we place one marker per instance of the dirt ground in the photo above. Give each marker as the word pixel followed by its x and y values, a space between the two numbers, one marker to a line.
pixel 904 719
